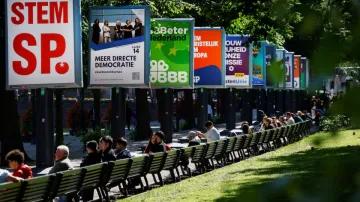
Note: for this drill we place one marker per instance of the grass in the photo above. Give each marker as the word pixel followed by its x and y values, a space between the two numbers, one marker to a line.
pixel 328 172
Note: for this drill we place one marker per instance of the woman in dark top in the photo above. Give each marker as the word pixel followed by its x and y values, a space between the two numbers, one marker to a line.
pixel 96 32
pixel 138 27
pixel 128 28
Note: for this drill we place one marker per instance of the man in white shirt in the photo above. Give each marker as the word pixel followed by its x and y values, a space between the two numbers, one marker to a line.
pixel 212 133
pixel 289 118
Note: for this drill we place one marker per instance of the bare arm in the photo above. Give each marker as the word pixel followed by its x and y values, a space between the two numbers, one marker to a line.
pixel 202 135
pixel 15 179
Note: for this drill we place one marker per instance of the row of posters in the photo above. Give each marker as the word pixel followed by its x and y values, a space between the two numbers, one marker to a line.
pixel 127 49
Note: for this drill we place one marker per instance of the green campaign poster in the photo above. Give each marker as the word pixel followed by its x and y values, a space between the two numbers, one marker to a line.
pixel 171 53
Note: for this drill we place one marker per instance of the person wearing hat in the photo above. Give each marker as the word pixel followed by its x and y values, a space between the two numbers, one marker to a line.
pixel 212 133
pixel 194 140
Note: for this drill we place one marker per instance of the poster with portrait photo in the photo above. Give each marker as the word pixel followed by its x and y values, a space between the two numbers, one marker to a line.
pixel 119 43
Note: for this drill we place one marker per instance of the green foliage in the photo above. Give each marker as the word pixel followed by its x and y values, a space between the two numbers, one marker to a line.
pixel 335 123
pixel 217 120
pixel 89 136
pixel 26 121
pixel 132 135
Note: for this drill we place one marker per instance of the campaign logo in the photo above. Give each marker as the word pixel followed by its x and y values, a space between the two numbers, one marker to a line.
pixel 159 73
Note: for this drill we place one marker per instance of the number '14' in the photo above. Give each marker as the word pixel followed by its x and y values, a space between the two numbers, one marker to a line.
pixel 136 50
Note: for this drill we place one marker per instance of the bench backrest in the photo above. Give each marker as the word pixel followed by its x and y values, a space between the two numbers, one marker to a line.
pixel 172 159
pixel 138 166
pixel 230 145
pixel 38 188
pixel 198 153
pixel 67 182
pixel 188 151
pixel 11 192
pixel 120 169
pixel 156 162
pixel 210 150
pixel 240 140
pixel 94 174
pixel 221 146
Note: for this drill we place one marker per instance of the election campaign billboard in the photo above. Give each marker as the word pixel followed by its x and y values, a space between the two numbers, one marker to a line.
pixel 209 57
pixel 238 61
pixel 289 64
pixel 119 46
pixel 270 58
pixel 297 71
pixel 259 64
pixel 303 73
pixel 43 44
pixel 280 59
pixel 307 73
pixel 172 53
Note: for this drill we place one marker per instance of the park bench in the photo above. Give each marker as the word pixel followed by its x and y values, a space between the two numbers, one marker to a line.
pixel 246 146
pixel 123 173
pixel 68 183
pixel 197 157
pixel 260 145
pixel 137 171
pixel 252 148
pixel 207 160
pixel 171 163
pixel 155 165
pixel 240 140
pixel 228 150
pixel 11 192
pixel 116 175
pixel 186 154
pixel 93 178
pixel 37 188
pixel 219 154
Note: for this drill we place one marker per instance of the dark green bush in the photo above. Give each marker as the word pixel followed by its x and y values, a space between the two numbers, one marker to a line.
pixel 336 123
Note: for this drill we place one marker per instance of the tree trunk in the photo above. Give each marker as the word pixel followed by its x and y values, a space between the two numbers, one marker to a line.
pixel 142 115
pixel 10 136
pixel 59 117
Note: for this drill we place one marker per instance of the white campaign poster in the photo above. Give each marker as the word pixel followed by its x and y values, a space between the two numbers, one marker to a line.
pixel 117 54
pixel 40 42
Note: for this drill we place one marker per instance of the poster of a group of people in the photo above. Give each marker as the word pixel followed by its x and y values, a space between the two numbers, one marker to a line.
pixel 119 52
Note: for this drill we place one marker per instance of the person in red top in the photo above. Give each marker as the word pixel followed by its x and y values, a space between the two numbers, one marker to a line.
pixel 16 163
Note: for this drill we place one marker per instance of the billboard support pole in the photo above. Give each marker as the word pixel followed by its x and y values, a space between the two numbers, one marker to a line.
pixel 230 109
pixel 118 113
pixel 45 130
pixel 246 114
pixel 280 100
pixel 294 101
pixel 288 100
pixel 34 115
pixel 167 123
pixel 202 105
